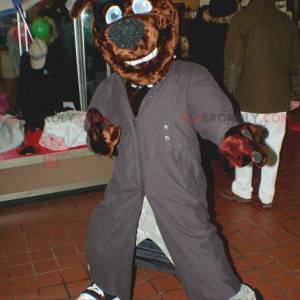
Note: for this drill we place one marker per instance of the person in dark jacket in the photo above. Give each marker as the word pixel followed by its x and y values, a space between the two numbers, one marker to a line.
pixel 199 37
pixel 206 47
pixel 262 71
pixel 207 36
pixel 40 90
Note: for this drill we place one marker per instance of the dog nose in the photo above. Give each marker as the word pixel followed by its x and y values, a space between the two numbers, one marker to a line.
pixel 126 33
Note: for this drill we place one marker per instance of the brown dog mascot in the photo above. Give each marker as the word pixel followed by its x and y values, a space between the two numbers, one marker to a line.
pixel 148 114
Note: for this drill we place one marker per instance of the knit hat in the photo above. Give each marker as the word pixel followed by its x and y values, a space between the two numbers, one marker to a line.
pixel 37 52
pixel 222 8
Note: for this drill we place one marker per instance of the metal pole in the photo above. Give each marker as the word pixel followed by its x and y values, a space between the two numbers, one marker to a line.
pixel 108 70
pixel 22 15
pixel 80 60
pixel 26 35
pixel 19 34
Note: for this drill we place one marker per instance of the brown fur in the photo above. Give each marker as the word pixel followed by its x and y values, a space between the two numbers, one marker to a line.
pixel 78 7
pixel 162 18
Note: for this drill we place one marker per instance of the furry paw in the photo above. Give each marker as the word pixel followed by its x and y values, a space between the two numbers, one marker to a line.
pixel 103 136
pixel 241 146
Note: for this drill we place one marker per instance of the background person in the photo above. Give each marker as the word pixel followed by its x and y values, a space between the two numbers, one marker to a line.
pixel 262 71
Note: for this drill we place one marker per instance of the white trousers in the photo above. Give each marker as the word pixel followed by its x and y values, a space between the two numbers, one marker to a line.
pixel 275 124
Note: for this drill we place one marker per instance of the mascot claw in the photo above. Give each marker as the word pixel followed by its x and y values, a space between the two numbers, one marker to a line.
pixel 241 146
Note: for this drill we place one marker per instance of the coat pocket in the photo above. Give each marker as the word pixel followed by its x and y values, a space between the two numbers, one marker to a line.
pixel 190 168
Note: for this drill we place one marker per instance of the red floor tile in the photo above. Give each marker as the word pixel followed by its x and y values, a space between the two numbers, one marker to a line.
pixel 234 253
pixel 19 271
pixel 285 237
pixel 4 285
pixel 31 228
pixel 273 270
pixel 59 240
pixel 175 295
pixel 268 289
pixel 23 284
pixel 75 288
pixel 289 282
pixel 295 295
pixel 4 274
pixel 253 277
pixel 280 253
pixel 166 284
pixel 260 258
pixel 292 264
pixel 28 294
pixel 294 246
pixel 242 264
pixel 55 292
pixel 5 296
pixel 64 251
pixel 42 245
pixel 18 259
pixel 156 297
pixel 140 275
pixel 143 290
pixel 41 255
pixel 246 248
pixel 282 297
pixel 49 279
pixel 80 247
pixel 152 274
pixel 69 262
pixel 38 244
pixel 15 247
pixel 45 266
pixel 76 274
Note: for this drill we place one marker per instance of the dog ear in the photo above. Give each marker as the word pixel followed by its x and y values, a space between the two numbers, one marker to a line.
pixel 75 7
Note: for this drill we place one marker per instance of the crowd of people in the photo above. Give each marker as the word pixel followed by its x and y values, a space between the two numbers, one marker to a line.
pixel 254 56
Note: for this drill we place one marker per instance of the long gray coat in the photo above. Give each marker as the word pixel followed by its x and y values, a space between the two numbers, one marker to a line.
pixel 159 157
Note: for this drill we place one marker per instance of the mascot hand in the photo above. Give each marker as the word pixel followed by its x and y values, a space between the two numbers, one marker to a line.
pixel 111 136
pixel 241 146
pixel 103 136
pixel 104 140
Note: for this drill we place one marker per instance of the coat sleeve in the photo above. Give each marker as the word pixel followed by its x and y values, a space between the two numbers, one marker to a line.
pixel 295 71
pixel 210 111
pixel 233 56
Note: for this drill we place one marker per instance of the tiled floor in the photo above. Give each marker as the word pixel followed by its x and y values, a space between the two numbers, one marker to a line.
pixel 42 244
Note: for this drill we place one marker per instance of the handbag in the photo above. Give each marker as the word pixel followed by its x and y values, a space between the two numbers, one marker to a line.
pixel 64 130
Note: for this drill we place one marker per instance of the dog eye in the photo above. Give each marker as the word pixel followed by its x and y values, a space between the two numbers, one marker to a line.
pixel 141 6
pixel 113 14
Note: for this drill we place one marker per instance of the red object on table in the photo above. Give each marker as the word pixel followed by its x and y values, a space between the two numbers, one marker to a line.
pixel 293 120
pixel 31 139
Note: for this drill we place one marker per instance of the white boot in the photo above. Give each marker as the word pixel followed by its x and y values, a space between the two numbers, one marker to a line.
pixel 245 293
pixel 93 292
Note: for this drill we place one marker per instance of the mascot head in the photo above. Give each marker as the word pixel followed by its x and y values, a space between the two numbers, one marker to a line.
pixel 136 37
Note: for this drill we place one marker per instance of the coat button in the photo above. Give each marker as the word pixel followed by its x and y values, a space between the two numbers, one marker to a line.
pixel 167 138
pixel 166 127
